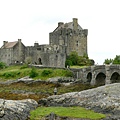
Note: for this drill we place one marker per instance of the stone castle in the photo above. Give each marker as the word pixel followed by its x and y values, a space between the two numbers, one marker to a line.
pixel 67 37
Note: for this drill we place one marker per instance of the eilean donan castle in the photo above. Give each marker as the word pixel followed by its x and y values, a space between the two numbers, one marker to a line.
pixel 66 37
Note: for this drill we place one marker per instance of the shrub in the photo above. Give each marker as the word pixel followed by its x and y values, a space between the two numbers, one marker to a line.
pixel 68 63
pixel 2 65
pixel 75 59
pixel 68 74
pixel 46 72
pixel 33 73
pixel 9 74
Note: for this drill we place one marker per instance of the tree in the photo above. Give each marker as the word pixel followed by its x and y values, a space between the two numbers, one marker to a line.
pixel 116 59
pixel 74 59
pixel 108 61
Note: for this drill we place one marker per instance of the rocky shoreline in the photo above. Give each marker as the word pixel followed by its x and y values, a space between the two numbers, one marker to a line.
pixel 104 99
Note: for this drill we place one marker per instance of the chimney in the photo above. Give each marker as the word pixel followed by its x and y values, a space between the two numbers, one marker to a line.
pixel 4 42
pixel 75 23
pixel 19 40
pixel 36 44
pixel 60 23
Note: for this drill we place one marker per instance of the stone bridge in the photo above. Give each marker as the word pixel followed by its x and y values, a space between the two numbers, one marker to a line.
pixel 98 74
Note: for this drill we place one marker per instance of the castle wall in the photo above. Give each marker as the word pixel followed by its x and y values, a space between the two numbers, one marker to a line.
pixel 47 55
pixel 18 53
pixel 77 41
pixel 6 56
pixel 73 40
pixel 30 53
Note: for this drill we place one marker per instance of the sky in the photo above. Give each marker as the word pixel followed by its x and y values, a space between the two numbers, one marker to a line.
pixel 33 20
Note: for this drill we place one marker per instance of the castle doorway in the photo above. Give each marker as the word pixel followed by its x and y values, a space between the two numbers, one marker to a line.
pixel 39 61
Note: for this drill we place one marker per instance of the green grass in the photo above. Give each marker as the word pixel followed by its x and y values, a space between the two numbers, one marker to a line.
pixel 15 72
pixel 73 112
pixel 76 66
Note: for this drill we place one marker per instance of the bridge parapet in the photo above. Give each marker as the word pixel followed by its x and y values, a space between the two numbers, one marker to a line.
pixel 95 67
pixel 114 66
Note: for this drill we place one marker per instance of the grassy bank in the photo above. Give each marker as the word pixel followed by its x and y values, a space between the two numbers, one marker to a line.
pixel 72 112
pixel 15 72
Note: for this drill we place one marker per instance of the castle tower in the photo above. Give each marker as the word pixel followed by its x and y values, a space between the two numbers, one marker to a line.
pixel 70 35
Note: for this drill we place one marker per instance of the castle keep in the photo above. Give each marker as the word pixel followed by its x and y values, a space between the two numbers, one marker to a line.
pixel 67 37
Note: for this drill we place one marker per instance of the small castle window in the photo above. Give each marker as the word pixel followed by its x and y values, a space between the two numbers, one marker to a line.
pixel 77 43
pixel 38 48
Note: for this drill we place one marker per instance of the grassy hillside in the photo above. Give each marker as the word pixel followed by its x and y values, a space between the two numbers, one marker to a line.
pixel 15 72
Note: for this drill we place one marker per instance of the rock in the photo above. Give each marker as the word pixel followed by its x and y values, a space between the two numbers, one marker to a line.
pixel 16 109
pixel 104 99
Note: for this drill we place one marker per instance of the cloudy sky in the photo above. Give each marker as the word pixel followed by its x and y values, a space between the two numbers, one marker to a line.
pixel 32 20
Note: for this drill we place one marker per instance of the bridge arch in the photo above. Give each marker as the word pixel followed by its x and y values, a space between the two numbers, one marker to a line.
pixel 100 79
pixel 89 77
pixel 115 77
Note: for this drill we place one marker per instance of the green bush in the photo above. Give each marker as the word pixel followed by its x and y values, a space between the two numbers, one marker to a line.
pixel 46 73
pixel 2 65
pixel 68 63
pixel 9 75
pixel 68 74
pixel 116 59
pixel 33 73
pixel 74 59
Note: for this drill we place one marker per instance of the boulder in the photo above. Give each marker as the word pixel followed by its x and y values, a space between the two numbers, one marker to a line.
pixel 16 109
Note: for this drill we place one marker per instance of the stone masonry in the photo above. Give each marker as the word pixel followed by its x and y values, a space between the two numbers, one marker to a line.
pixel 63 40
